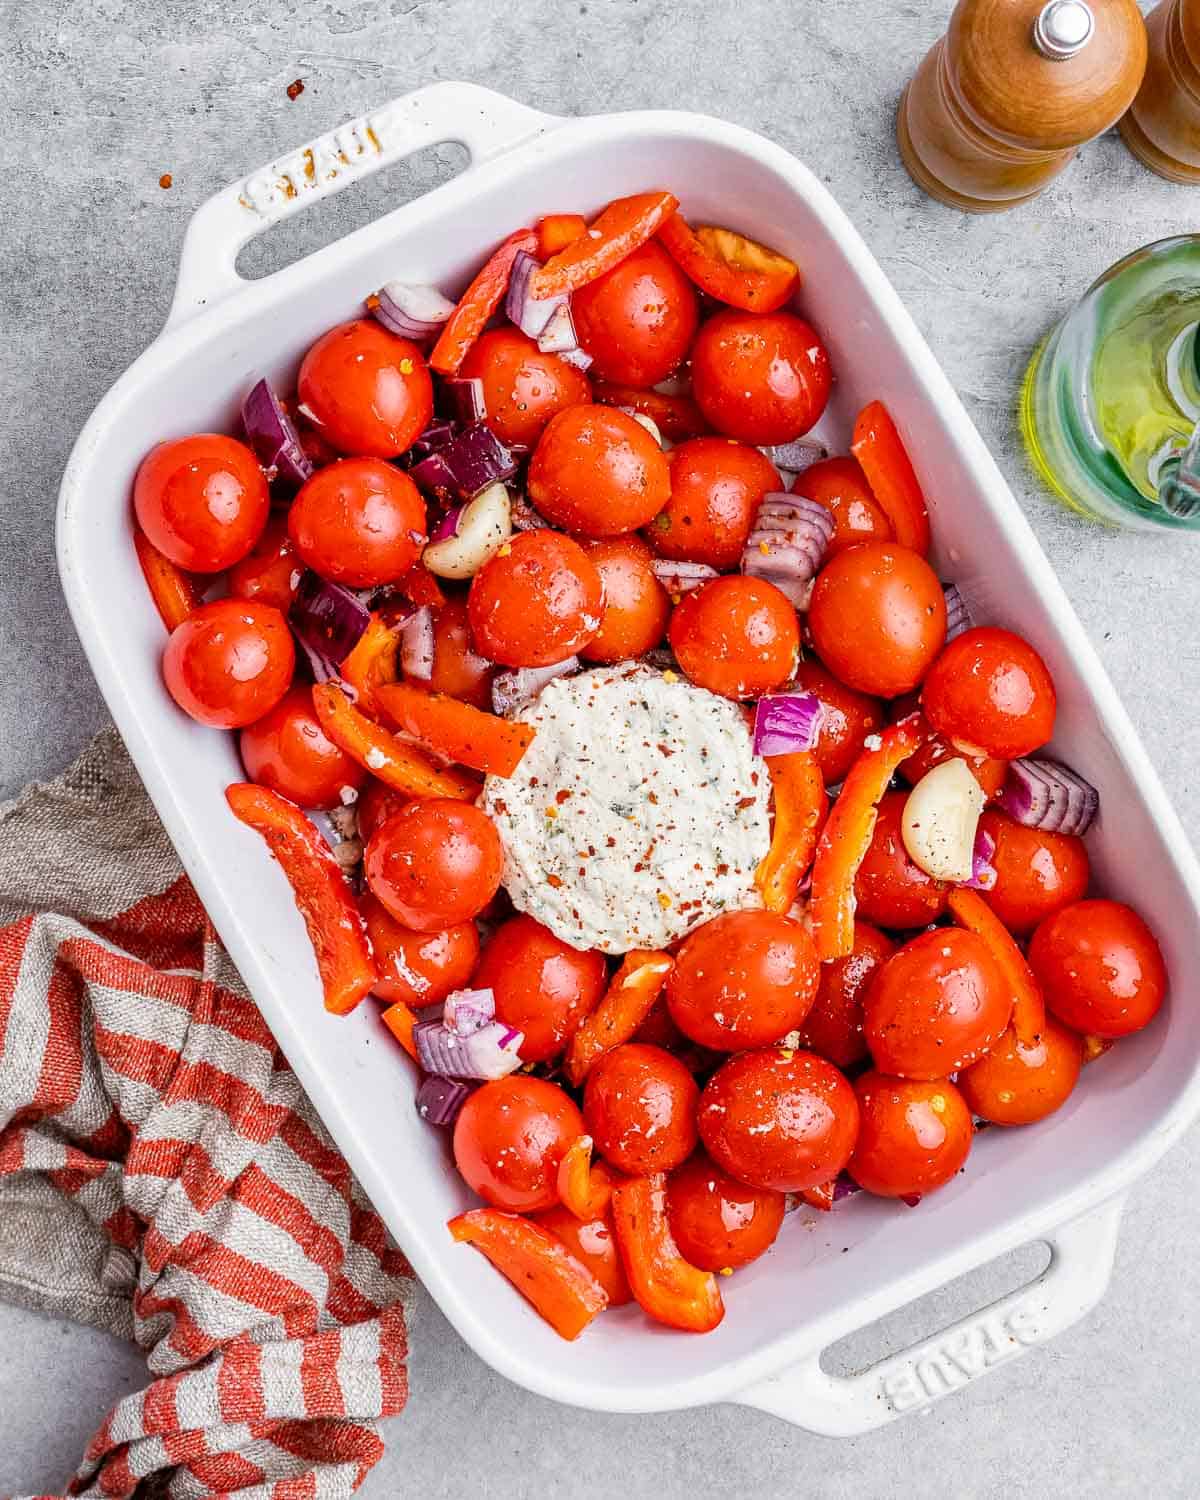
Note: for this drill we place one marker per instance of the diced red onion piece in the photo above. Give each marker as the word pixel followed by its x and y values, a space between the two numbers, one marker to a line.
pixel 559 333
pixel 958 616
pixel 448 525
pixel 680 578
pixel 468 463
pixel 439 1099
pixel 1045 794
pixel 525 518
pixel 787 722
pixel 435 437
pixel 910 1200
pixel 413 312
pixel 463 398
pixel 580 358
pixel 787 543
pixel 796 456
pixel 328 621
pixel 468 1011
pixel 416 645
pixel 983 872
pixel 511 690
pixel 530 314
pixel 845 1187
pixel 272 435
pixel 490 1052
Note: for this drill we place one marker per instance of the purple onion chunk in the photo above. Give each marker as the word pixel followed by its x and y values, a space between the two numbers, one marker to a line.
pixel 512 690
pixel 489 1053
pixel 530 314
pixel 580 358
pixel 983 872
pixel 787 722
pixel 1042 793
pixel 787 544
pixel 797 456
pixel 558 336
pixel 439 1099
pixel 958 616
pixel 328 621
pixel 525 518
pixel 417 645
pixel 463 400
pixel 468 463
pixel 272 435
pixel 468 1011
pixel 412 312
pixel 679 578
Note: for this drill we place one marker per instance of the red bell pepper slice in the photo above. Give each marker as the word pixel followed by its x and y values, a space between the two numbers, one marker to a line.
pixel 556 231
pixel 330 912
pixel 846 836
pixel 478 303
pixel 174 592
pixel 372 662
pixel 676 417
pixel 584 1186
pixel 461 732
pixel 970 910
pixel 627 1002
pixel 402 1023
pixel 884 460
pixel 800 808
pixel 541 1267
pixel 669 1288
pixel 386 757
pixel 730 267
pixel 615 234
pixel 820 1196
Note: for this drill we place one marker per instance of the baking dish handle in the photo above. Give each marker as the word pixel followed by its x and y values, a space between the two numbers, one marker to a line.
pixel 486 123
pixel 1081 1258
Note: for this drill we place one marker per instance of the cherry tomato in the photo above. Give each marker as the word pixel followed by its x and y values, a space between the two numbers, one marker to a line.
pixel 598 472
pixel 288 751
pixel 536 602
pixel 543 987
pixel 368 391
pixel 736 636
pixel 458 669
pixel 1099 967
pixel 202 501
pixel 1037 873
pixel 638 320
pixel 989 773
pixel 434 863
pixel 717 1222
pixel 509 1138
pixel 840 485
pixel 779 1119
pixel 1018 1085
pixel 914 1137
pixel 595 1244
pixel 376 803
pixel 760 377
pixel 636 606
pixel 878 617
pixel 990 693
pixel 743 980
pixel 229 662
pixel 360 522
pixel 717 486
pixel 889 888
pixel 833 1027
pixel 522 387
pixel 640 1107
pixel 848 719
pixel 936 1005
pixel 270 572
pixel 418 968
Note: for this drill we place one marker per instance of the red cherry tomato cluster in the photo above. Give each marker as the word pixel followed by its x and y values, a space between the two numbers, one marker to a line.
pixel 459 516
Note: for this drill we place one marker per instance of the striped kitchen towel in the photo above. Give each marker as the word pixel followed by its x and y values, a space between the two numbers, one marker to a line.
pixel 163 1176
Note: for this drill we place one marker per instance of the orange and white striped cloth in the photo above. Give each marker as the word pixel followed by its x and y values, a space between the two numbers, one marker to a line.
pixel 163 1176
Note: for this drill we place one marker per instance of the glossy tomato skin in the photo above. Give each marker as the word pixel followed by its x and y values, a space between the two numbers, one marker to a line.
pixel 522 387
pixel 458 669
pixel 936 1005
pixel 434 863
pixel 376 803
pixel 229 662
pixel 889 888
pixel 717 1222
pixel 990 693
pixel 271 571
pixel 840 485
pixel 418 968
pixel 598 472
pixel 878 618
pixel 509 1138
pixel 833 1027
pixel 638 320
pixel 848 719
pixel 359 522
pixel 1100 968
pixel 760 377
pixel 717 485
pixel 914 1137
pixel 594 1242
pixel 1037 873
pixel 736 636
pixel 639 1104
pixel 536 602
pixel 743 980
pixel 1016 1084
pixel 369 391
pixel 543 987
pixel 779 1119
pixel 202 501
pixel 288 751
pixel 636 606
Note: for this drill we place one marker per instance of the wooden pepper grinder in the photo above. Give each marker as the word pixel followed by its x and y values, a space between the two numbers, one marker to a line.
pixel 1162 127
pixel 1002 101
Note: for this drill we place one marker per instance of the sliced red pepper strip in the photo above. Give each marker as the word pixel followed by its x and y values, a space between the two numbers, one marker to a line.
pixel 730 267
pixel 372 663
pixel 800 808
pixel 846 836
pixel 390 759
pixel 970 910
pixel 478 303
pixel 884 460
pixel 627 1002
pixel 174 592
pixel 461 732
pixel 820 1196
pixel 542 1269
pixel 612 236
pixel 669 1288
pixel 676 417
pixel 401 1022
pixel 421 588
pixel 556 231
pixel 584 1186
pixel 330 912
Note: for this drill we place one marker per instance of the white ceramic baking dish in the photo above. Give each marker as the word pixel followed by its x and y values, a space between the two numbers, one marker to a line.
pixel 1061 1181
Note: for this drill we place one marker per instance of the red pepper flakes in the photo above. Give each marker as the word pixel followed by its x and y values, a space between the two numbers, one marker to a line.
pixel 295 88
pixel 165 180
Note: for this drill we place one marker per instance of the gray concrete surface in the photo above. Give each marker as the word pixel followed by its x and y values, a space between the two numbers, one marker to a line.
pixel 96 102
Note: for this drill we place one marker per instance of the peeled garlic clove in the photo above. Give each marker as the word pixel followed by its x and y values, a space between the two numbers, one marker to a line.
pixel 939 821
pixel 483 528
pixel 650 425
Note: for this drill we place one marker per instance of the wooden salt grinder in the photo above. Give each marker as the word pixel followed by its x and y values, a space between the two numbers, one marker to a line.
pixel 1003 100
pixel 1162 127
